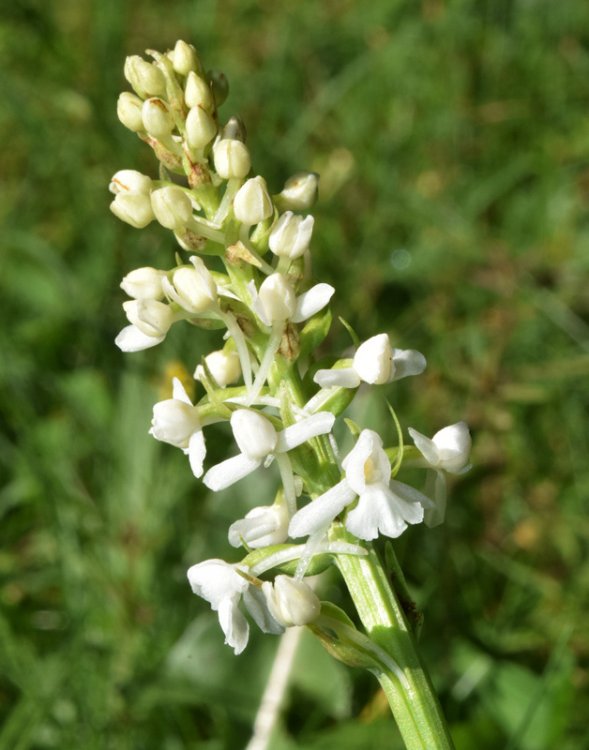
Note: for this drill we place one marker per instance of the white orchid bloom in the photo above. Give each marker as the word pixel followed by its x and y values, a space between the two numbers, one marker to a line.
pixel 262 527
pixel 447 451
pixel 375 362
pixel 150 322
pixel 260 443
pixel 386 506
pixel 175 421
pixel 220 584
pixel 276 303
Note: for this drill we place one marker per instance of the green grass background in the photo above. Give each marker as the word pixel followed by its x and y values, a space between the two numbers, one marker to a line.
pixel 453 142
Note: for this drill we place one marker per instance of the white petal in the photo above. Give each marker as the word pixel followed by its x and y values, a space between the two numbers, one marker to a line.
pixel 255 602
pixel 407 362
pixel 425 446
pixel 312 301
pixel 197 451
pixel 321 511
pixel 254 433
pixel 344 377
pixel 453 445
pixel 131 339
pixel 374 515
pixel 298 433
pixel 179 392
pixel 234 625
pixel 215 580
pixel 230 471
pixel 413 501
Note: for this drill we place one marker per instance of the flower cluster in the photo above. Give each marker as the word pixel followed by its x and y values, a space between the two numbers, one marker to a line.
pixel 262 380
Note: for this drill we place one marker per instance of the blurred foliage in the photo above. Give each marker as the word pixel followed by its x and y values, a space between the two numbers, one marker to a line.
pixel 453 142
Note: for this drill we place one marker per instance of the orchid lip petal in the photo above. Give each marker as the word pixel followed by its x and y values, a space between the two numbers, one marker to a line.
pixel 312 301
pixel 234 625
pixel 321 511
pixel 197 451
pixel 215 580
pixel 230 471
pixel 131 339
pixel 344 377
pixel 407 362
pixel 298 433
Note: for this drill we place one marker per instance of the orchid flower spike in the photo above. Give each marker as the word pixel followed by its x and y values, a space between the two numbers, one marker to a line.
pixel 259 443
pixel 384 505
pixel 375 362
pixel 447 451
pixel 223 586
pixel 176 421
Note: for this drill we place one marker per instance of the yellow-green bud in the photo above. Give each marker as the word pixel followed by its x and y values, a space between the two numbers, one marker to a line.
pixel 232 158
pixel 130 181
pixel 157 119
pixel 197 93
pixel 129 111
pixel 252 203
pixel 172 207
pixel 200 128
pixel 184 58
pixel 133 208
pixel 146 78
pixel 300 191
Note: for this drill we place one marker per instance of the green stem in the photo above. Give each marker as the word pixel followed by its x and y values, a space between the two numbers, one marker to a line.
pixel 412 700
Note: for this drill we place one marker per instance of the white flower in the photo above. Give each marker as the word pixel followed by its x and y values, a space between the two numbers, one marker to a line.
pixel 291 602
pixel 197 93
pixel 291 235
pixel 276 302
pixel 223 365
pixel 175 421
pixel 144 283
pixel 194 289
pixel 252 203
pixel 261 527
pixel 448 451
pixel 150 321
pixel 131 181
pixel 384 505
pixel 129 109
pixel 133 208
pixel 223 587
pixel 375 362
pixel 157 118
pixel 259 442
pixel 232 158
pixel 172 207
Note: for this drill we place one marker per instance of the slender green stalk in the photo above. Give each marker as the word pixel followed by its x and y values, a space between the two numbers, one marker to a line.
pixel 412 700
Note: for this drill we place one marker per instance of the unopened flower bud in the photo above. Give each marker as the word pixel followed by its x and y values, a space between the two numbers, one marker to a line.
pixel 197 93
pixel 232 158
pixel 194 289
pixel 200 128
pixel 276 298
pixel 291 602
pixel 151 317
pixel 223 365
pixel 144 283
pixel 300 191
pixel 219 85
pixel 157 118
pixel 254 434
pixel 129 109
pixel 174 422
pixel 145 77
pixel 252 203
pixel 184 58
pixel 129 180
pixel 133 208
pixel 172 207
pixel 373 361
pixel 291 235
